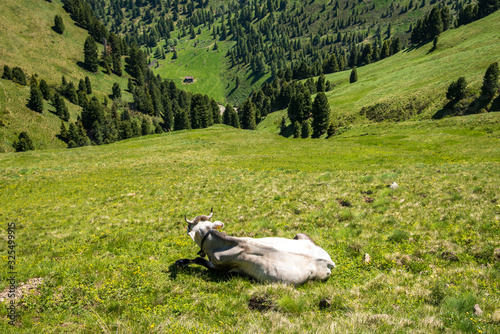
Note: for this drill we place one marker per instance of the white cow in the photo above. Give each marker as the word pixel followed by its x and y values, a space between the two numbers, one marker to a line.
pixel 292 261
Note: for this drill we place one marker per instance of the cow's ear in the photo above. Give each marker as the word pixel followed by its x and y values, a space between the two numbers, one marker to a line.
pixel 191 234
pixel 218 225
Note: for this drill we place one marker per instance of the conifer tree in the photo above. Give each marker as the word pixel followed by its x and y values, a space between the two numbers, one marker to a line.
pixel 88 85
pixel 59 24
pixel 306 128
pixel 320 84
pixel 490 80
pixel 168 116
pixel 117 65
pixel 23 143
pixel 44 88
pixel 456 90
pixel 91 58
pixel 214 106
pixel 61 109
pixel 226 116
pixel 145 127
pixel 81 86
pixel 248 115
pixel 283 126
pixel 117 92
pixel 18 76
pixel 36 98
pixel 181 118
pixel 63 133
pixel 321 115
pixel 71 93
pixel 92 113
pixel 235 119
pixel 73 137
pixel 354 75
pixel 7 72
pixel 297 129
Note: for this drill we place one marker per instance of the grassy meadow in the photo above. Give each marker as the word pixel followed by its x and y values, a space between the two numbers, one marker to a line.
pixel 103 226
pixel 417 79
pixel 35 47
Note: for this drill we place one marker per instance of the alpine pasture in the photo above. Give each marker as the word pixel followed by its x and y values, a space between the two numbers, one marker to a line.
pixel 101 227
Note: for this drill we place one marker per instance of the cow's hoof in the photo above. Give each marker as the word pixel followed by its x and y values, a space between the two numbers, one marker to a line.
pixel 182 263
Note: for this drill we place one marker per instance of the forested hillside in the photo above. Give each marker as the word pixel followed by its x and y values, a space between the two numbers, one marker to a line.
pixel 82 72
pixel 263 37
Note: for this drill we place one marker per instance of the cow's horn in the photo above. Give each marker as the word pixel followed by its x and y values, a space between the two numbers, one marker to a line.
pixel 187 221
pixel 211 213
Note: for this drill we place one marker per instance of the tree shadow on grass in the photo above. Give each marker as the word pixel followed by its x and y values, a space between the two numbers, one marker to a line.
pixel 81 64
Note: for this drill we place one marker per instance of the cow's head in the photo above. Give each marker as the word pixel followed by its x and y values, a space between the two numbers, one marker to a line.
pixel 198 227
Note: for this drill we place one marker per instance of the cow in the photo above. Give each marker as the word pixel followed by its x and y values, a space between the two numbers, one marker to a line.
pixel 293 261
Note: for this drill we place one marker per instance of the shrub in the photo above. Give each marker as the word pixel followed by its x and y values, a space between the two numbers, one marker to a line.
pixel 24 143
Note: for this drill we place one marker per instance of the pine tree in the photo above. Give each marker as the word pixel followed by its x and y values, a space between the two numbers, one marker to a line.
pixel 73 137
pixel 70 93
pixel 58 24
pixel 88 85
pixel 490 80
pixel 82 87
pixel 321 115
pixel 36 98
pixel 235 119
pixel 297 129
pixel 248 115
pixel 320 84
pixel 181 118
pixel 64 134
pixel 7 72
pixel 456 90
pixel 306 128
pixel 354 75
pixel 18 76
pixel 283 126
pixel 117 92
pixel 117 65
pixel 23 143
pixel 44 88
pixel 145 127
pixel 168 116
pixel 92 113
pixel 91 58
pixel 61 109
pixel 226 116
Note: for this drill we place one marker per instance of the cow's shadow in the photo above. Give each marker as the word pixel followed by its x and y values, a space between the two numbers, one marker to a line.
pixel 204 273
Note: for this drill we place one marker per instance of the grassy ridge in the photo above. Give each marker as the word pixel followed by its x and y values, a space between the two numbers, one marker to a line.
pixel 414 79
pixel 103 225
pixel 30 43
pixel 420 75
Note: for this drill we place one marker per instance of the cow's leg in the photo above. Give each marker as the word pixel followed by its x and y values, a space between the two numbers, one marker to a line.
pixel 200 261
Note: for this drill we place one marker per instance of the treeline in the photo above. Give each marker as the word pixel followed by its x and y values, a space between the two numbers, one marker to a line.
pixel 439 19
pixel 269 35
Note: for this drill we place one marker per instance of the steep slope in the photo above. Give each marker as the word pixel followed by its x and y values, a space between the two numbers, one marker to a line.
pixel 29 42
pixel 412 84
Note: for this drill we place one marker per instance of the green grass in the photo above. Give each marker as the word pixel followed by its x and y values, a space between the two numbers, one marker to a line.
pixel 30 43
pixel 196 58
pixel 416 75
pixel 103 226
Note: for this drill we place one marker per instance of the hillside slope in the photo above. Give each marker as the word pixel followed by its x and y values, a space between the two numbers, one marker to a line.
pixel 415 80
pixel 102 226
pixel 420 76
pixel 29 42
